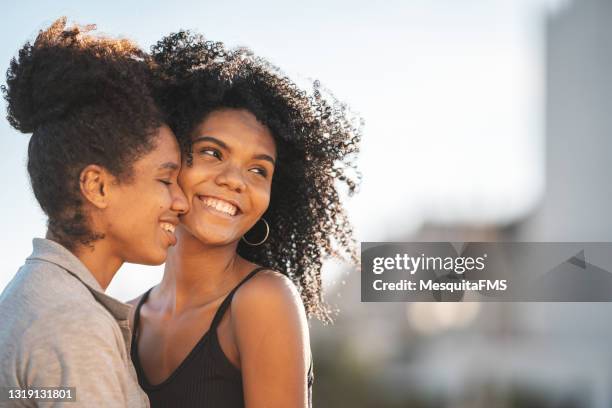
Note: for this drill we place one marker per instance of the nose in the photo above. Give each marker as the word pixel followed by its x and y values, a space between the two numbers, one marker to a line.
pixel 179 204
pixel 231 177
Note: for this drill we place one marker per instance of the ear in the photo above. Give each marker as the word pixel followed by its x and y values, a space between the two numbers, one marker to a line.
pixel 94 183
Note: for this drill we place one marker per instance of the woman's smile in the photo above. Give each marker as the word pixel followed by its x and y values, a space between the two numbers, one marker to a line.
pixel 168 228
pixel 219 205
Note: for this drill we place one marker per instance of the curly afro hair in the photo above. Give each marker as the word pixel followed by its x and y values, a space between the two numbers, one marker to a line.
pixel 86 100
pixel 317 141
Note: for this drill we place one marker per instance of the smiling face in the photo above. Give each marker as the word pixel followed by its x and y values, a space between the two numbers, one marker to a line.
pixel 143 212
pixel 228 185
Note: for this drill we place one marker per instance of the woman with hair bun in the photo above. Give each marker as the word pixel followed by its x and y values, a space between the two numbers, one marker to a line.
pixel 263 164
pixel 103 166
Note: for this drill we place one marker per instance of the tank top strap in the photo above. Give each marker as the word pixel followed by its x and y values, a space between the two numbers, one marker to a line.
pixel 228 299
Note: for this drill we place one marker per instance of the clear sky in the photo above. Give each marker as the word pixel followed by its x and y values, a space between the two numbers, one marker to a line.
pixel 451 93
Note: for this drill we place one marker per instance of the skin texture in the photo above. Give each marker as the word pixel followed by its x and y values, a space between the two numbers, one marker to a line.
pixel 128 213
pixel 264 333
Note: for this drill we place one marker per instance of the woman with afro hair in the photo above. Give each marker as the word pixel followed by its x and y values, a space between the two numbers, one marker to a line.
pixel 263 161
pixel 103 166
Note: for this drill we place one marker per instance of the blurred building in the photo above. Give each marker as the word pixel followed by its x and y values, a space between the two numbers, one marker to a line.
pixel 512 354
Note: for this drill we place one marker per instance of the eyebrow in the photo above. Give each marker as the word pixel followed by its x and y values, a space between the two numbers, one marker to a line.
pixel 226 147
pixel 211 139
pixel 169 165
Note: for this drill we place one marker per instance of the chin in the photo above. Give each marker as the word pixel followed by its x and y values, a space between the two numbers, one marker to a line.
pixel 152 258
pixel 160 259
pixel 211 237
pixel 216 240
pixel 157 261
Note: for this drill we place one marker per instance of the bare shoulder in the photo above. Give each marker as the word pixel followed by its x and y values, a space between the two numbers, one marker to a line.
pixel 268 290
pixel 267 303
pixel 268 314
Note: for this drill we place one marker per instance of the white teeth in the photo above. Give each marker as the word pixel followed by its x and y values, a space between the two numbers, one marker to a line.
pixel 220 205
pixel 167 227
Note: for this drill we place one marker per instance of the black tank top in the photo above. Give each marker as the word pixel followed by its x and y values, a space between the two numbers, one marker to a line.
pixel 205 378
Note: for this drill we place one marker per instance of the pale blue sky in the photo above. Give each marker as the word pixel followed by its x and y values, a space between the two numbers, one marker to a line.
pixel 450 91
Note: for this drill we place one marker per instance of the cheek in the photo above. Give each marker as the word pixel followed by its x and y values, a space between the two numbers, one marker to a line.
pixel 143 202
pixel 261 199
pixel 124 219
pixel 123 204
pixel 151 195
pixel 183 177
pixel 189 177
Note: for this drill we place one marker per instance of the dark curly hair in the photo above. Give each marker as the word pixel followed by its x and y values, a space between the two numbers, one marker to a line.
pixel 317 141
pixel 86 100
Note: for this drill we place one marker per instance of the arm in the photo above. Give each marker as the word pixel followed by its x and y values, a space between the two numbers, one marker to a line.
pixel 271 331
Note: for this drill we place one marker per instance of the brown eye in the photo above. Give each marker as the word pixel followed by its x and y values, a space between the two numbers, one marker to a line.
pixel 260 171
pixel 209 151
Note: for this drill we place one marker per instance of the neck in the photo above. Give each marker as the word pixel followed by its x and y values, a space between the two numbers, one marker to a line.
pixel 98 258
pixel 197 273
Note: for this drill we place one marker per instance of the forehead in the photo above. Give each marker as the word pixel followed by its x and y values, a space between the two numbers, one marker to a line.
pixel 165 150
pixel 237 127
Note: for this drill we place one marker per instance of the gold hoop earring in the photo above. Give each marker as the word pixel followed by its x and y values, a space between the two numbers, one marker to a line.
pixel 263 240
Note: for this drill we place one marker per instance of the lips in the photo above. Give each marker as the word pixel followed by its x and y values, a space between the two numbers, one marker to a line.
pixel 227 207
pixel 168 228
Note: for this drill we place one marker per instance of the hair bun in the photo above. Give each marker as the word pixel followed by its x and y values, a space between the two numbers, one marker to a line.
pixel 63 70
